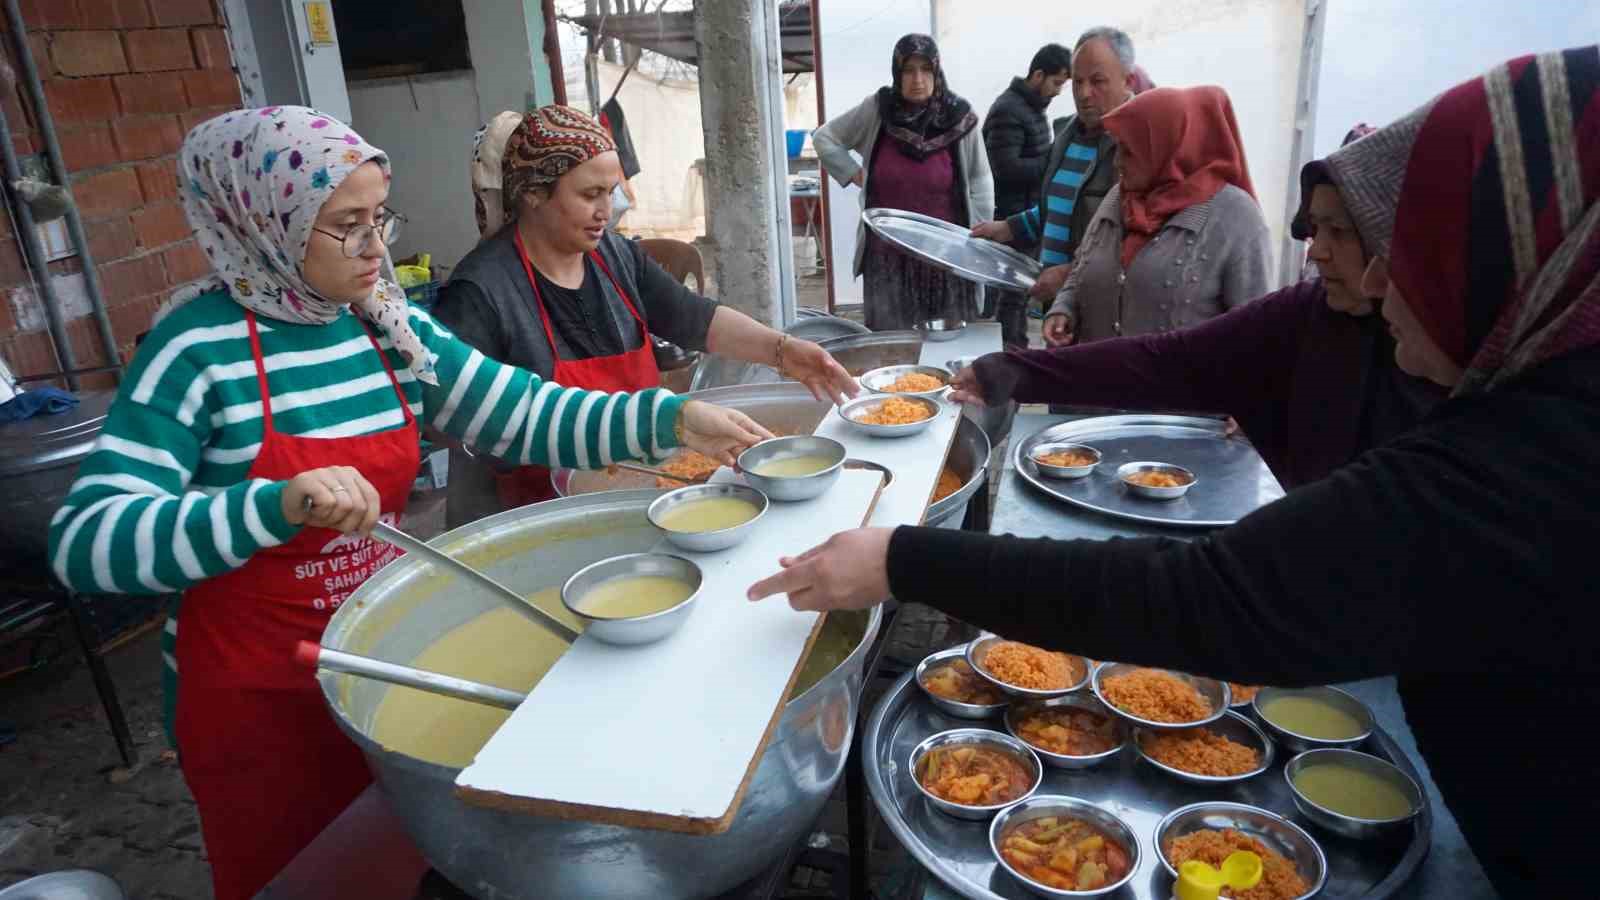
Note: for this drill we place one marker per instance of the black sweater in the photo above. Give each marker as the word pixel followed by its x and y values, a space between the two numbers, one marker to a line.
pixel 1017 136
pixel 1456 556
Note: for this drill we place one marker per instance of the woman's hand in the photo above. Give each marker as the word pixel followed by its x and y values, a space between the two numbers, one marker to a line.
pixel 1050 283
pixel 964 388
pixel 339 498
pixel 1058 329
pixel 860 178
pixel 815 368
pixel 849 571
pixel 717 431
pixel 998 230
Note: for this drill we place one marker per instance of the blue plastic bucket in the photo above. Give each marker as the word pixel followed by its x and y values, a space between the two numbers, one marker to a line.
pixel 797 140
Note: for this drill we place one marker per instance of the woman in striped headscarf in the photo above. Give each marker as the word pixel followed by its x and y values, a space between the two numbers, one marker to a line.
pixel 1457 556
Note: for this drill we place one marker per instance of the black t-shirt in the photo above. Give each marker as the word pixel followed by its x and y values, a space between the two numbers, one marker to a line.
pixel 583 325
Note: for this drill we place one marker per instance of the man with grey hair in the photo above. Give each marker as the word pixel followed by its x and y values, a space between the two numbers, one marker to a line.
pixel 1081 167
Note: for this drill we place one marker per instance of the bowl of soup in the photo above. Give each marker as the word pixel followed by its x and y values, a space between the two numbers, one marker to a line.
pixel 1352 793
pixel 1071 732
pixel 703 518
pixel 793 468
pixel 1313 718
pixel 638 598
pixel 973 773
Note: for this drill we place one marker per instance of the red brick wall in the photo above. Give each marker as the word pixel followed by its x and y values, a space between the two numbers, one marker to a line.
pixel 125 81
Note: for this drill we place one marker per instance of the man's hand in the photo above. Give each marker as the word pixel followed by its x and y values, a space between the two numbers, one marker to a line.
pixel 1050 282
pixel 998 230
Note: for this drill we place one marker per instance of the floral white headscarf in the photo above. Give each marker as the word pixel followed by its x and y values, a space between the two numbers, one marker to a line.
pixel 254 181
pixel 488 147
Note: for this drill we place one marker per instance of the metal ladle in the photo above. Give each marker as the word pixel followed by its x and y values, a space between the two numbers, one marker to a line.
pixel 315 656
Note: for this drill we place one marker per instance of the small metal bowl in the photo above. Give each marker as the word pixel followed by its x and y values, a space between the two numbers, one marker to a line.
pixel 1019 711
pixel 1053 471
pixel 853 410
pixel 878 380
pixel 1300 743
pixel 1338 822
pixel 637 629
pixel 1127 470
pixel 67 884
pixel 946 329
pixel 1279 834
pixel 945 705
pixel 1239 701
pixel 979 649
pixel 1215 693
pixel 955 366
pixel 982 737
pixel 706 541
pixel 792 487
pixel 1044 805
pixel 1232 726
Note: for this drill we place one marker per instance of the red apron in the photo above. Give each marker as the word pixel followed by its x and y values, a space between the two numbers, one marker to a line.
pixel 261 753
pixel 634 370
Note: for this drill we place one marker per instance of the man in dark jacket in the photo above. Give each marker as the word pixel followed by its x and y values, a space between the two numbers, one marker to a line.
pixel 1017 134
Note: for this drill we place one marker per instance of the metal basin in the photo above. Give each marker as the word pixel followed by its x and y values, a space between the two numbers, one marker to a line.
pixel 38 462
pixel 788 408
pixel 510 856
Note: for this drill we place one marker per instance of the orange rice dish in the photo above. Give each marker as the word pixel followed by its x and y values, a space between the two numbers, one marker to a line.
pixel 949 483
pixel 1280 880
pixel 1243 693
pixel 1158 479
pixel 1201 752
pixel 1068 732
pixel 688 464
pixel 1025 666
pixel 914 383
pixel 895 411
pixel 1073 458
pixel 1155 696
pixel 956 681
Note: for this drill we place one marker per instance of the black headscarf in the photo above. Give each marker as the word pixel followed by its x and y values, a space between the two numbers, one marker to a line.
pixel 926 129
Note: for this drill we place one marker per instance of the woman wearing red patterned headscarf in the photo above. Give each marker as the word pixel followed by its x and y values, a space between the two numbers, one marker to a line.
pixel 555 291
pixel 1458 556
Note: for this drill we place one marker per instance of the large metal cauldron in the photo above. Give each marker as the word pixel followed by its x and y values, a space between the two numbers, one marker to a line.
pixel 38 462
pixel 498 855
pixel 788 408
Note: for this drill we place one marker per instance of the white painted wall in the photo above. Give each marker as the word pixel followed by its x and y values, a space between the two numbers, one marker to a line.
pixel 1427 46
pixel 505 38
pixel 425 124
pixel 857 42
pixel 1249 47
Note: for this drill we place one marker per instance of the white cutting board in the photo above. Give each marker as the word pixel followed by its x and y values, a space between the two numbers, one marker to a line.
pixel 666 735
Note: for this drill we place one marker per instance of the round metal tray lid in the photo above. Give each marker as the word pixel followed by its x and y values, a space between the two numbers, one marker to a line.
pixel 45 442
pixel 951 248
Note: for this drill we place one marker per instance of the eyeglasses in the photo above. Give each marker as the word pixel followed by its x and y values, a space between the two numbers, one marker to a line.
pixel 356 241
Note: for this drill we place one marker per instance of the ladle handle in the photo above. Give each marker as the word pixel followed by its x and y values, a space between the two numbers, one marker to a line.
pixel 392 535
pixel 319 657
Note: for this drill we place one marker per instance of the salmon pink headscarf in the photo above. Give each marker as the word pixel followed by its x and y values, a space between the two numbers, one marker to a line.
pixel 1184 144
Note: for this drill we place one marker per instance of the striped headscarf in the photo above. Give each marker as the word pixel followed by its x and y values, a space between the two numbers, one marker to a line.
pixel 1367 172
pixel 488 149
pixel 253 182
pixel 1497 235
pixel 550 142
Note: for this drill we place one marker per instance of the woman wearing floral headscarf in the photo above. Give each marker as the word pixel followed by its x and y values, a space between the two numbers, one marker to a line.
pixel 262 430
pixel 921 151
pixel 558 293
pixel 1458 556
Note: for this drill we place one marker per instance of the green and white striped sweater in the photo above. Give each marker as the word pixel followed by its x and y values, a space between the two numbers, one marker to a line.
pixel 165 501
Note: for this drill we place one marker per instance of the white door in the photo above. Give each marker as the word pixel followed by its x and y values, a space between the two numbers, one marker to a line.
pixel 317 56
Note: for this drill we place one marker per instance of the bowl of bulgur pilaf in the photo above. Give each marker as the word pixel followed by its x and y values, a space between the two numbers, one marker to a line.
pixel 1228 750
pixel 1160 699
pixel 1293 866
pixel 890 415
pixel 1023 670
pixel 911 381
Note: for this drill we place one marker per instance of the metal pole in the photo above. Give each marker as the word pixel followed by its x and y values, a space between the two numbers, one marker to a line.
pixel 36 258
pixel 1302 143
pixel 824 233
pixel 52 147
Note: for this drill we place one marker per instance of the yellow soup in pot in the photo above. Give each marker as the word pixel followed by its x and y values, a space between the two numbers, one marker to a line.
pixel 710 514
pixel 637 595
pixel 793 467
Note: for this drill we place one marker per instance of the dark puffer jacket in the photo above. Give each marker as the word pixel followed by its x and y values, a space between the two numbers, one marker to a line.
pixel 1017 134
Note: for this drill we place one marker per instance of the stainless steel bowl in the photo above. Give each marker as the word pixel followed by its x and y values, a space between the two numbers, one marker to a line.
pixel 793 487
pixel 1053 471
pixel 1232 726
pixel 1277 833
pixel 878 380
pixel 953 707
pixel 1058 805
pixel 707 541
pixel 1018 711
pixel 982 737
pixel 978 651
pixel 1127 470
pixel 68 884
pixel 853 410
pixel 1338 822
pixel 1215 693
pixel 946 329
pixel 637 629
pixel 1300 743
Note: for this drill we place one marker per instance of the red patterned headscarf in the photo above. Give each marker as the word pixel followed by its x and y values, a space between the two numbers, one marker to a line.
pixel 1497 236
pixel 551 141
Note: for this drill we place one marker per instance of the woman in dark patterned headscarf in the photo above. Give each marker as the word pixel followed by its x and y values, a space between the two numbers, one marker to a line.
pixel 933 163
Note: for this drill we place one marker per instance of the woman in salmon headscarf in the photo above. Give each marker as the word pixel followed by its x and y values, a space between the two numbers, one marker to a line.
pixel 1457 556
pixel 1180 239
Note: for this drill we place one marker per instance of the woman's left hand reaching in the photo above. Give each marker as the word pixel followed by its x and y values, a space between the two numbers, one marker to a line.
pixel 815 368
pixel 849 571
pixel 717 431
